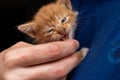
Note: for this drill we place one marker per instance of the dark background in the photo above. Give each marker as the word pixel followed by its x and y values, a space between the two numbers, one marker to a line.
pixel 13 13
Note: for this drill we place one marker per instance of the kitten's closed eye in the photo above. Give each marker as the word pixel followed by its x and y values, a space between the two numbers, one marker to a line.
pixel 51 30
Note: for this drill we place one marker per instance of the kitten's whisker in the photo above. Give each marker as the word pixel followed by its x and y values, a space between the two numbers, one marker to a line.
pixel 79 18
pixel 78 24
pixel 78 30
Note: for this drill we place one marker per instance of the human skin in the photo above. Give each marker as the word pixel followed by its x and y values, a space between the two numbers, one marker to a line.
pixel 51 61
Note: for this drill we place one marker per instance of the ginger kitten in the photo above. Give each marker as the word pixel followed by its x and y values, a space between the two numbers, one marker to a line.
pixel 53 22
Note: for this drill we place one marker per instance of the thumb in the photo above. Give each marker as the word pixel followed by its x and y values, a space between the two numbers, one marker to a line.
pixel 82 54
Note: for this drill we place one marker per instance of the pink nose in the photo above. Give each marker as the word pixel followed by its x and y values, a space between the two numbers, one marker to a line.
pixel 62 31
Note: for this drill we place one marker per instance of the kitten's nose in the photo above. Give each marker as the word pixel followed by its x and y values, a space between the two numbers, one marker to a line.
pixel 61 31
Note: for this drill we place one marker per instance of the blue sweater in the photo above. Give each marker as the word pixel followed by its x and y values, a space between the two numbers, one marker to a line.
pixel 99 29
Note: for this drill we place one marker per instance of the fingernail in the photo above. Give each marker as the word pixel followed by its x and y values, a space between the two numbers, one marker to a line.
pixel 82 53
pixel 77 44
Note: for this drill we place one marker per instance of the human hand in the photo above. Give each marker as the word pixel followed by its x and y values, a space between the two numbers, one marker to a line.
pixel 51 61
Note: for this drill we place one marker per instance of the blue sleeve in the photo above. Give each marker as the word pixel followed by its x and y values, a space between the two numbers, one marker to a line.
pixel 99 29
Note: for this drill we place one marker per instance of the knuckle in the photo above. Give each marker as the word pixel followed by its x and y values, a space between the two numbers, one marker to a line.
pixel 9 59
pixel 6 76
pixel 11 76
pixel 8 62
pixel 21 42
pixel 54 49
pixel 60 72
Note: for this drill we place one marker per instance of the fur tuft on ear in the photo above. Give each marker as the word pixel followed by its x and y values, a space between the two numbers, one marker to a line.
pixel 67 3
pixel 28 28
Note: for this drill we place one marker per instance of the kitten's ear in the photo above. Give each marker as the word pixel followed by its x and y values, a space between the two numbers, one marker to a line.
pixel 67 3
pixel 28 28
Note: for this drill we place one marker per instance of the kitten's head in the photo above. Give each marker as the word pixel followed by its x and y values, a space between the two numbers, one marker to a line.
pixel 53 22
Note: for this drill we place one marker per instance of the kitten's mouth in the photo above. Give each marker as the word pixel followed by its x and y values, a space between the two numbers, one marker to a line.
pixel 65 37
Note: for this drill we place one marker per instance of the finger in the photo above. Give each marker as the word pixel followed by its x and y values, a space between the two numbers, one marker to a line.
pixel 53 71
pixel 38 54
pixel 20 45
pixel 17 45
